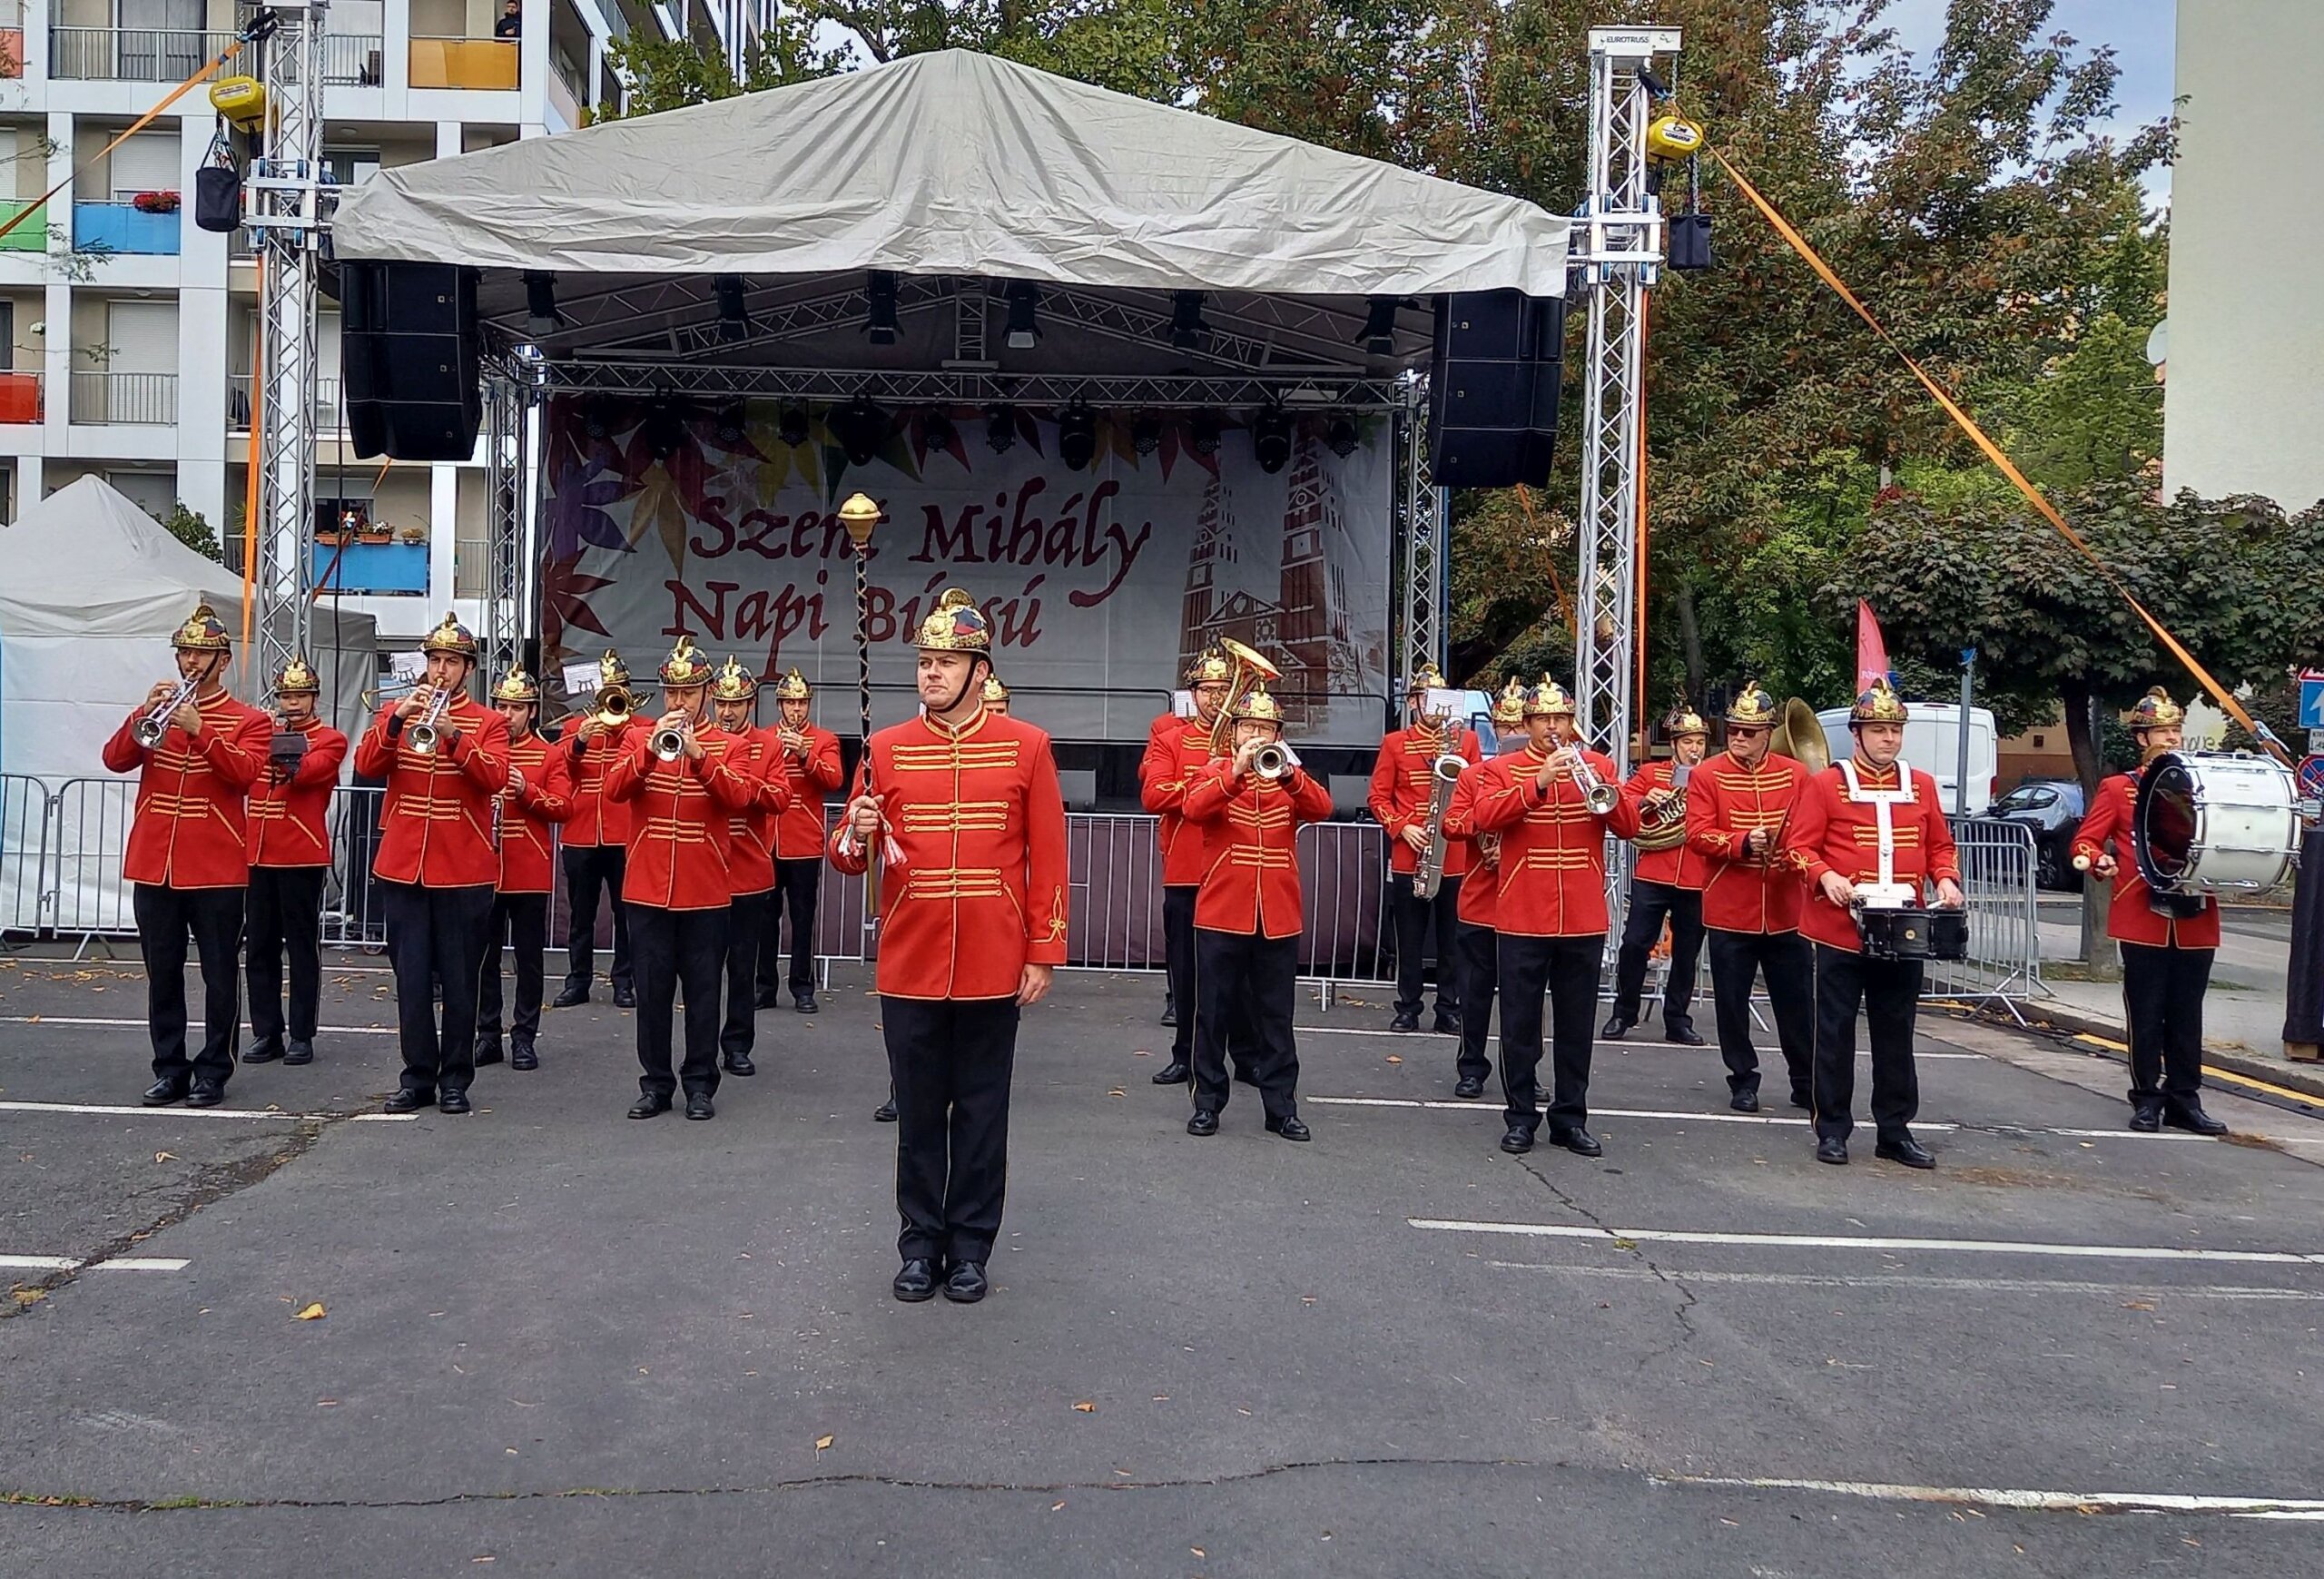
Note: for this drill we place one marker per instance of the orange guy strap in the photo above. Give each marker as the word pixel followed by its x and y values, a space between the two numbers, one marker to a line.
pixel 1557 582
pixel 147 119
pixel 1637 623
pixel 250 461
pixel 2008 469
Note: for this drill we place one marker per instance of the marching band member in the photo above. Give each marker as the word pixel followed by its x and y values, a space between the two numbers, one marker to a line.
pixel 539 797
pixel 437 867
pixel 290 852
pixel 1248 914
pixel 1666 881
pixel 808 755
pixel 1176 749
pixel 1868 820
pixel 186 859
pixel 963 811
pixel 682 785
pixel 996 696
pixel 750 859
pixel 594 844
pixel 1553 805
pixel 1403 782
pixel 1736 806
pixel 2166 955
pixel 1477 942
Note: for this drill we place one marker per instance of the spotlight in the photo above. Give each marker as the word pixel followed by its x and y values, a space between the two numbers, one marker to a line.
pixel 861 428
pixel 1271 438
pixel 792 425
pixel 1340 438
pixel 540 304
pixel 879 307
pixel 1077 435
pixel 1186 327
pixel 596 420
pixel 664 431
pixel 936 429
pixel 1145 434
pixel 1024 330
pixel 1205 429
pixel 733 320
pixel 1379 336
pixel 1000 427
pixel 731 425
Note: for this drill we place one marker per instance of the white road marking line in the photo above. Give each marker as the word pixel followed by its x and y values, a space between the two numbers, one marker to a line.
pixel 104 1110
pixel 140 1264
pixel 1711 1049
pixel 1904 1280
pixel 140 1025
pixel 1865 1242
pixel 38 1263
pixel 75 1264
pixel 1486 1105
pixel 2026 1501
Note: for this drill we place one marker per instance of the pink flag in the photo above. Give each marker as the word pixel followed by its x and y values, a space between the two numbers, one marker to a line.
pixel 1871 652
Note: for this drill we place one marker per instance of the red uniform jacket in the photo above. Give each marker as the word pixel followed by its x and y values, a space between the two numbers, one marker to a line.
pixel 680 821
pixel 799 827
pixel 595 821
pixel 1553 881
pixel 980 821
pixel 1401 786
pixel 1250 828
pixel 288 814
pixel 2134 918
pixel 1176 749
pixel 1676 867
pixel 1725 801
pixel 1830 833
pixel 528 816
pixel 188 828
pixel 1475 906
pixel 749 843
pixel 436 827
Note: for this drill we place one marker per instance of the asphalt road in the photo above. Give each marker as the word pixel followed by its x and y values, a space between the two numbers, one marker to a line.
pixel 558 1342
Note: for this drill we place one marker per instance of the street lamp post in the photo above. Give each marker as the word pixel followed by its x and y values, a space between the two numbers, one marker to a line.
pixel 859 515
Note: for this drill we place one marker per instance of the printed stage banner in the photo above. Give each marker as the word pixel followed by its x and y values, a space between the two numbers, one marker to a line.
pixel 1102 582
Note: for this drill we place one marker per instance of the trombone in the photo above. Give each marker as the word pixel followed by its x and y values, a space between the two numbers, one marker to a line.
pixel 148 731
pixel 1250 666
pixel 423 736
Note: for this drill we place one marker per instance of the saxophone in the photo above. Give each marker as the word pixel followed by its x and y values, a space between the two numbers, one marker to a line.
pixel 1428 872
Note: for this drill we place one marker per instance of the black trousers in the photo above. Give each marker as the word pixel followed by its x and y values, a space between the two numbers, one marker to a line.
pixel 2162 995
pixel 1788 963
pixel 750 920
pixel 1479 948
pixel 1178 964
pixel 213 918
pixel 1244 988
pixel 523 918
pixel 284 916
pixel 1415 918
pixel 436 935
pixel 1641 929
pixel 1889 992
pixel 951 1062
pixel 587 866
pixel 1566 970
pixel 677 946
pixel 796 883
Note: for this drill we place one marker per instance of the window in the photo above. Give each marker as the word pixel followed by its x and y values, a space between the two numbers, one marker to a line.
pixel 351 166
pixel 2027 798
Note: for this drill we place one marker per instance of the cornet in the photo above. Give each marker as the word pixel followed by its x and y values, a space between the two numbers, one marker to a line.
pixel 1596 793
pixel 424 736
pixel 148 731
pixel 669 743
pixel 1271 761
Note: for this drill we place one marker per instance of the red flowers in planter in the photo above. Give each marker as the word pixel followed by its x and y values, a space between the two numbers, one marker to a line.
pixel 156 203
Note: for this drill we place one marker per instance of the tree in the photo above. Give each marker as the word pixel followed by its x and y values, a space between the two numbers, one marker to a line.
pixel 192 528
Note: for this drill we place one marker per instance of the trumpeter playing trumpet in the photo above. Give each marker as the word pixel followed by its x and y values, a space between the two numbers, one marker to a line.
pixel 289 851
pixel 594 840
pixel 1411 782
pixel 1479 942
pixel 539 797
pixel 750 859
pixel 1667 883
pixel 807 755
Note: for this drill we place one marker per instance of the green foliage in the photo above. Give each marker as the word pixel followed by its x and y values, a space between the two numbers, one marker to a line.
pixel 189 526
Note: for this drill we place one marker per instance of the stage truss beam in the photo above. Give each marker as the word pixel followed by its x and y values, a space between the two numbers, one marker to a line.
pixel 957 386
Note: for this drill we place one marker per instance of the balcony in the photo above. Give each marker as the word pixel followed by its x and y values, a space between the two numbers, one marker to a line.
pixel 132 55
pixel 239 397
pixel 32 234
pixel 120 227
pixel 116 398
pixel 353 60
pixel 20 399
pixel 464 62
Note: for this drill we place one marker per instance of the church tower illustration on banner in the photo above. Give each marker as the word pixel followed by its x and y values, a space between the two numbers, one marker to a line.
pixel 1318 656
pixel 1213 550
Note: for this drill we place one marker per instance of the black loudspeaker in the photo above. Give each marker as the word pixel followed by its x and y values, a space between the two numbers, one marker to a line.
pixel 1493 384
pixel 408 354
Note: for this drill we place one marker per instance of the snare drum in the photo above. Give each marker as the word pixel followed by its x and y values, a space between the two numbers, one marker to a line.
pixel 2210 823
pixel 1913 934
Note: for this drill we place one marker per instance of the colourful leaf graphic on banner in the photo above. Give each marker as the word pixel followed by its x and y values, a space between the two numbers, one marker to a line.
pixel 564 593
pixel 578 496
pixel 662 506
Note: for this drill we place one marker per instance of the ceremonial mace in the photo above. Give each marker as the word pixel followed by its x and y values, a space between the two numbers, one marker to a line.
pixel 859 515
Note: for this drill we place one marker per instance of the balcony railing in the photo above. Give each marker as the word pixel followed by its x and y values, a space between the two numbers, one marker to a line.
pixel 353 60
pixel 464 62
pixel 120 227
pixel 32 234
pixel 20 396
pixel 132 55
pixel 113 398
pixel 239 396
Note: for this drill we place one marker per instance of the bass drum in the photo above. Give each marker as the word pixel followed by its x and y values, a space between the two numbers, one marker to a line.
pixel 2212 822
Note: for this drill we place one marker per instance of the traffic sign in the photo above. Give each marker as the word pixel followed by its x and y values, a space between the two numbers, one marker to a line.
pixel 2311 777
pixel 2311 701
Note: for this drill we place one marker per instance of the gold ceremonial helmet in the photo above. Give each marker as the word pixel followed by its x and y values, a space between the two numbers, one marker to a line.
pixel 611 670
pixel 1509 708
pixel 2156 710
pixel 1879 706
pixel 202 632
pixel 1427 677
pixel 994 691
pixel 451 636
pixel 1548 699
pixel 685 666
pixel 1213 668
pixel 298 677
pixel 1258 706
pixel 1684 720
pixel 1752 705
pixel 518 686
pixel 792 687
pixel 733 683
pixel 956 624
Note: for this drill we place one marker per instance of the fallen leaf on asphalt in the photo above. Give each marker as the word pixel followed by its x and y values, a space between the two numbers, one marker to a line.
pixel 1197 1551
pixel 312 1313
pixel 326 1403
pixel 166 1157
pixel 825 1440
pixel 30 1296
pixel 32 1020
pixel 1055 1506
pixel 1393 1058
pixel 1086 1407
pixel 1115 1092
pixel 2138 1303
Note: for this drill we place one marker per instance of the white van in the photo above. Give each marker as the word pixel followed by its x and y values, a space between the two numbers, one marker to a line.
pixel 1932 744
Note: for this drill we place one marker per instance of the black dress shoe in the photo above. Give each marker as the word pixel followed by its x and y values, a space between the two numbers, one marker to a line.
pixel 1906 1150
pixel 1405 1020
pixel 407 1100
pixel 1615 1029
pixel 1803 1102
pixel 2190 1115
pixel 1172 1074
pixel 2146 1114
pixel 1684 1036
pixel 1834 1152
pixel 205 1094
pixel 916 1281
pixel 1518 1142
pixel 522 1056
pixel 1203 1122
pixel 739 1064
pixel 805 1003
pixel 1744 1101
pixel 1577 1140
pixel 1468 1086
pixel 649 1106
pixel 169 1089
pixel 1169 1013
pixel 885 1114
pixel 1243 1075
pixel 570 997
pixel 1447 1022
pixel 452 1100
pixel 487 1053
pixel 624 997
pixel 767 1001
pixel 965 1284
pixel 300 1052
pixel 700 1106
pixel 263 1052
pixel 1289 1128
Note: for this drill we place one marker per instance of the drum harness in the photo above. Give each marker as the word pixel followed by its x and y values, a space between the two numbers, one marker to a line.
pixel 1884 896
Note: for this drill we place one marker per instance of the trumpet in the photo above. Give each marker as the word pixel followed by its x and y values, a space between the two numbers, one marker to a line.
pixel 669 743
pixel 1271 761
pixel 1428 872
pixel 1596 793
pixel 423 736
pixel 148 731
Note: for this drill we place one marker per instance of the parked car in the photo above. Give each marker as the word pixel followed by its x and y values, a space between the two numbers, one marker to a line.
pixel 2051 807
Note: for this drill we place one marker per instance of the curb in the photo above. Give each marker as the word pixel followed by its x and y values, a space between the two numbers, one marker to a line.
pixel 2306 1080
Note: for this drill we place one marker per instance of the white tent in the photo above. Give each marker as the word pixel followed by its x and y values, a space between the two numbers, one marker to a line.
pixel 961 164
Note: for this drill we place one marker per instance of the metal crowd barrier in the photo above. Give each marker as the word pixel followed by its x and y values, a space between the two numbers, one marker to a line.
pixel 2005 959
pixel 24 852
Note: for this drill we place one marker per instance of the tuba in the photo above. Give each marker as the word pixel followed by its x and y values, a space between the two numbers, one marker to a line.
pixel 1801 738
pixel 1428 872
pixel 1250 668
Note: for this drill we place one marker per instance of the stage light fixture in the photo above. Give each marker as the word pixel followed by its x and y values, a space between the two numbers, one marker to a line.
pixel 1077 435
pixel 540 304
pixel 1205 427
pixel 1379 336
pixel 664 431
pixel 597 418
pixel 1340 438
pixel 792 425
pixel 879 307
pixel 732 425
pixel 733 318
pixel 1000 427
pixel 1186 327
pixel 936 429
pixel 1271 438
pixel 1146 433
pixel 1024 330
pixel 861 427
